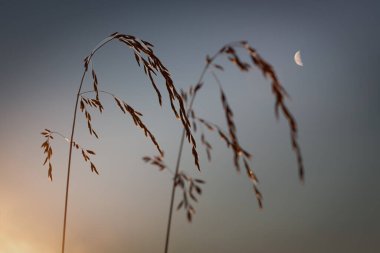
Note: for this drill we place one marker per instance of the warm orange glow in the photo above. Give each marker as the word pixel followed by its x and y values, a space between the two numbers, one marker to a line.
pixel 14 243
pixel 16 236
pixel 7 245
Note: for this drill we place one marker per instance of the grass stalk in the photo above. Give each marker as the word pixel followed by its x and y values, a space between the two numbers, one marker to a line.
pixel 178 163
pixel 71 146
pixel 280 106
pixel 151 64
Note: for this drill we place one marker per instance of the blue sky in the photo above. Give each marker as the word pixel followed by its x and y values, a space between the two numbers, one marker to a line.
pixel 334 97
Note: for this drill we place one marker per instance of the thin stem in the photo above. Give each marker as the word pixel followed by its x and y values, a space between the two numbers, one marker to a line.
pixel 180 156
pixel 69 164
pixel 101 44
pixel 61 135
pixel 217 80
pixel 100 91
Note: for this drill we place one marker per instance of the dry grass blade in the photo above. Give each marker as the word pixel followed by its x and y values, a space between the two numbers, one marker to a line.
pixel 48 134
pixel 123 106
pixel 280 94
pixel 243 66
pixel 93 168
pixel 277 89
pixel 197 88
pixel 94 103
pixel 231 126
pixel 155 87
pixel 48 151
pixel 190 189
pixel 207 146
pixel 206 124
pixel 214 127
pixel 138 122
pixel 250 172
pixel 258 195
pixel 152 64
pixel 86 154
pixel 95 83
pixel 155 161
pixel 184 96
pixel 217 66
pixel 233 146
pixel 120 104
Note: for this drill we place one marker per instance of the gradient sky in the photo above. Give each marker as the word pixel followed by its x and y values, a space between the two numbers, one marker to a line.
pixel 334 97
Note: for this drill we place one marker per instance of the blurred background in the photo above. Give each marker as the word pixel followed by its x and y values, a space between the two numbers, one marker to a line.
pixel 334 98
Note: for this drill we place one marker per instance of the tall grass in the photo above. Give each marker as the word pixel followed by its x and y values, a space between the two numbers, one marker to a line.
pixel 182 104
pixel 145 58
pixel 229 137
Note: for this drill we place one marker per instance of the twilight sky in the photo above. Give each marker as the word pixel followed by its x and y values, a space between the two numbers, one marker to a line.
pixel 334 97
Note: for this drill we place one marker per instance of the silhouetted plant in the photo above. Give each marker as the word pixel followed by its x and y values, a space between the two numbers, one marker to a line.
pixel 191 187
pixel 230 138
pixel 145 57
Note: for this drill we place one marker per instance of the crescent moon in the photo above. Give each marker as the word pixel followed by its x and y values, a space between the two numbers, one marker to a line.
pixel 298 59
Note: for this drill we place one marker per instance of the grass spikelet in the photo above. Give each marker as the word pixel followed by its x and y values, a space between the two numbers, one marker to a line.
pixel 152 66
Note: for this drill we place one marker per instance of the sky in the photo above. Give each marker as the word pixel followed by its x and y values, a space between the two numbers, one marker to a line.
pixel 334 98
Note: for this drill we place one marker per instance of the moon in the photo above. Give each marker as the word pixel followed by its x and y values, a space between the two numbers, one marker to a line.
pixel 298 59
